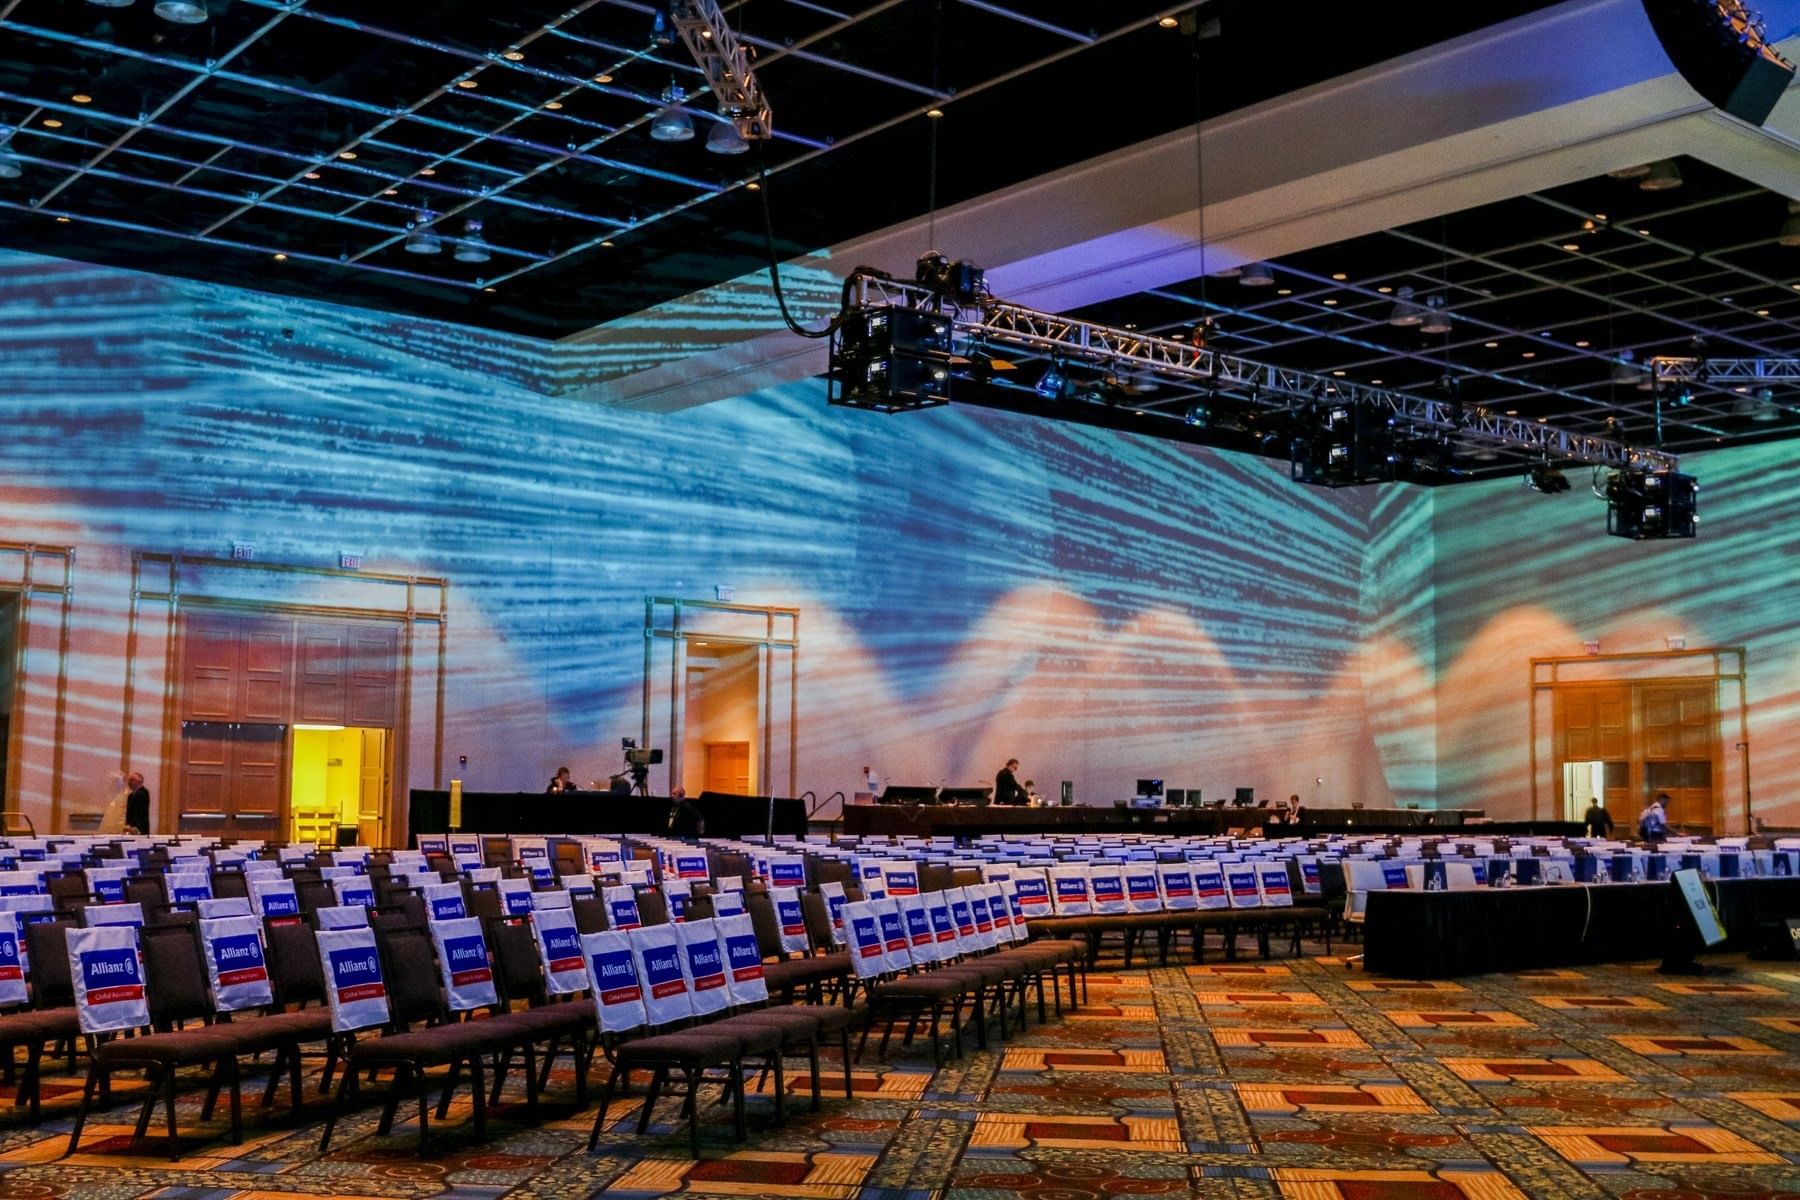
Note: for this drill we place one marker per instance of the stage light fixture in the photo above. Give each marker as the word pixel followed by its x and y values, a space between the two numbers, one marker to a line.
pixel 1546 479
pixel 1054 383
pixel 1405 312
pixel 1627 373
pixel 963 282
pixel 725 139
pixel 672 124
pixel 181 12
pixel 1437 316
pixel 1647 505
pixel 662 29
pixel 1790 229
pixel 473 248
pixel 423 239
pixel 1663 176
pixel 1257 275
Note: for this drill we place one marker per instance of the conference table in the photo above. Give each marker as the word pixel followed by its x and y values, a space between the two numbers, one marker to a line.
pixel 968 821
pixel 1416 934
pixel 588 812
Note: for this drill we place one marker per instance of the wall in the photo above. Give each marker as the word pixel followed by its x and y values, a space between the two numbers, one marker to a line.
pixel 973 585
pixel 1521 575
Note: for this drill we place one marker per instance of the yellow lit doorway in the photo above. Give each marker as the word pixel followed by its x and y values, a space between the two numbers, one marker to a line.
pixel 340 778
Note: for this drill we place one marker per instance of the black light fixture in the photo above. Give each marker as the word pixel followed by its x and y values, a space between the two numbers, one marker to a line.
pixel 1646 505
pixel 1546 479
pixel 1054 383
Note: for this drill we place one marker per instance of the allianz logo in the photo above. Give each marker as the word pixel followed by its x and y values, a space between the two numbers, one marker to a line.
pixel 659 962
pixel 228 952
pixel 351 967
pixel 110 966
pixel 613 966
pixel 469 951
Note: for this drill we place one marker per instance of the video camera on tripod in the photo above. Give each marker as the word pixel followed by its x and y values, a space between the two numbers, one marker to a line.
pixel 638 763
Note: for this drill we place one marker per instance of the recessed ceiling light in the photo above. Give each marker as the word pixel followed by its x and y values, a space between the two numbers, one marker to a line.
pixel 1331 303
pixel 553 105
pixel 1492 345
pixel 514 56
pixel 1644 232
pixel 1762 312
pixel 1340 276
pixel 487 289
pixel 1168 22
pixel 606 245
pixel 1797 287
pixel 467 83
pixel 1529 354
pixel 1543 420
pixel 82 98
pixel 390 191
pixel 1512 412
pixel 1339 374
pixel 1284 291
pixel 1377 382
pixel 347 155
pixel 312 175
pixel 52 123
pixel 1572 247
pixel 62 220
pixel 1599 216
pixel 1740 389
pixel 753 186
pixel 934 113
pixel 1384 289
pixel 428 171
pixel 280 257
pixel 1582 345
pixel 603 77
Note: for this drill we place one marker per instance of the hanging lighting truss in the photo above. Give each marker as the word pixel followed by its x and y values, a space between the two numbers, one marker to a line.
pixel 1733 371
pixel 726 65
pixel 970 324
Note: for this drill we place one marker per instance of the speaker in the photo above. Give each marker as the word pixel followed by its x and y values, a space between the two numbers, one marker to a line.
pixel 1718 47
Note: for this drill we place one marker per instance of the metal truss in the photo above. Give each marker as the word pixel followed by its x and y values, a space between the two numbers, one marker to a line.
pixel 1725 370
pixel 1135 356
pixel 709 38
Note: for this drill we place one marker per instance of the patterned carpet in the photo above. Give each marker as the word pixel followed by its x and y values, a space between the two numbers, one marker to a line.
pixel 1295 1079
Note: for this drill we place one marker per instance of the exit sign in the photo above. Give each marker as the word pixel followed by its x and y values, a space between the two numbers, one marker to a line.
pixel 243 551
pixel 350 562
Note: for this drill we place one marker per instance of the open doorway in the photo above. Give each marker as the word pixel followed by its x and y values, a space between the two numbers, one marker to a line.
pixel 339 780
pixel 720 726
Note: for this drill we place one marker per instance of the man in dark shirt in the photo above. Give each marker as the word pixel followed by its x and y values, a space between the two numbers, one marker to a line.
pixel 560 782
pixel 1599 822
pixel 137 804
pixel 685 820
pixel 1006 785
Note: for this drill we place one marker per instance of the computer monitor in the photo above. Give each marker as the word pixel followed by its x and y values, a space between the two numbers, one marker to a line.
pixel 1245 797
pixel 1193 795
pixel 1176 797
pixel 1150 787
pixel 908 795
pixel 965 795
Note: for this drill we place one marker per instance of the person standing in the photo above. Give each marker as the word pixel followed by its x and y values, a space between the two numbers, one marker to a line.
pixel 685 820
pixel 1006 785
pixel 1653 822
pixel 137 804
pixel 1599 822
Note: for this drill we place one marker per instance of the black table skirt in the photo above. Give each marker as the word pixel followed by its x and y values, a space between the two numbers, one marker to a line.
pixel 598 813
pixel 1435 935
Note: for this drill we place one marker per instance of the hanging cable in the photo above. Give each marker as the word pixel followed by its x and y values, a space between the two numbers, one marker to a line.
pixel 762 192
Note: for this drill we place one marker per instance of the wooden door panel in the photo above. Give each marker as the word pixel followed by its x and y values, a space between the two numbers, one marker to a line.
pixel 266 688
pixel 374 675
pixel 205 777
pixel 259 778
pixel 210 655
pixel 323 651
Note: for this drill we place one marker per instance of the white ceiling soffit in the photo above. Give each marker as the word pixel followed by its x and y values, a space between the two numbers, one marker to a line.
pixel 1565 94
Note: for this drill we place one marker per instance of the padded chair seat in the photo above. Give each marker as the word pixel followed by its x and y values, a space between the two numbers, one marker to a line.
pixel 798 1022
pixel 752 1039
pixel 436 1044
pixel 690 1048
pixel 42 1025
pixel 986 971
pixel 936 986
pixel 791 974
pixel 547 1019
pixel 1035 958
pixel 164 1049
pixel 253 1035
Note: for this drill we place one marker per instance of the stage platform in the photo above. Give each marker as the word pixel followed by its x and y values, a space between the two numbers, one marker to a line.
pixel 1437 935
pixel 599 813
pixel 967 821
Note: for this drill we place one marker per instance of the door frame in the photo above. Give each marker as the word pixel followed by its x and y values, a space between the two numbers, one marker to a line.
pixel 1549 674
pixel 733 624
pixel 22 575
pixel 175 580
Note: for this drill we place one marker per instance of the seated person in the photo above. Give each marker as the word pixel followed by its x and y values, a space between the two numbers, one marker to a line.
pixel 561 782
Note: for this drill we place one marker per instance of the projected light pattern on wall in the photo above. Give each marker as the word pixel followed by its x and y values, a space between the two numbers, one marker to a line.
pixel 973 585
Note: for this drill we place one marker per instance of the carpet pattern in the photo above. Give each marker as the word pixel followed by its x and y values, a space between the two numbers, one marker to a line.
pixel 1284 1080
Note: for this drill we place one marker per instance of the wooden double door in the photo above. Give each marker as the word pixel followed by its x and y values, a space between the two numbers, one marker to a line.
pixel 246 678
pixel 1658 735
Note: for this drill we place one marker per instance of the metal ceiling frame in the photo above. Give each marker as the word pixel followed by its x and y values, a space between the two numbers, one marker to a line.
pixel 458 199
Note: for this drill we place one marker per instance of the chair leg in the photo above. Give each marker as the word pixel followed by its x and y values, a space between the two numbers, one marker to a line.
pixel 531 1079
pixel 848 1091
pixel 390 1107
pixel 87 1099
pixel 169 1111
pixel 579 1056
pixel 31 1081
pixel 478 1094
pixel 331 1057
pixel 657 1077
pixel 737 1110
pixel 152 1093
pixel 693 1109
pixel 615 1076
pixel 424 1109
pixel 230 1066
pixel 450 1081
pixel 780 1087
pixel 500 1073
pixel 812 1061
pixel 346 1093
